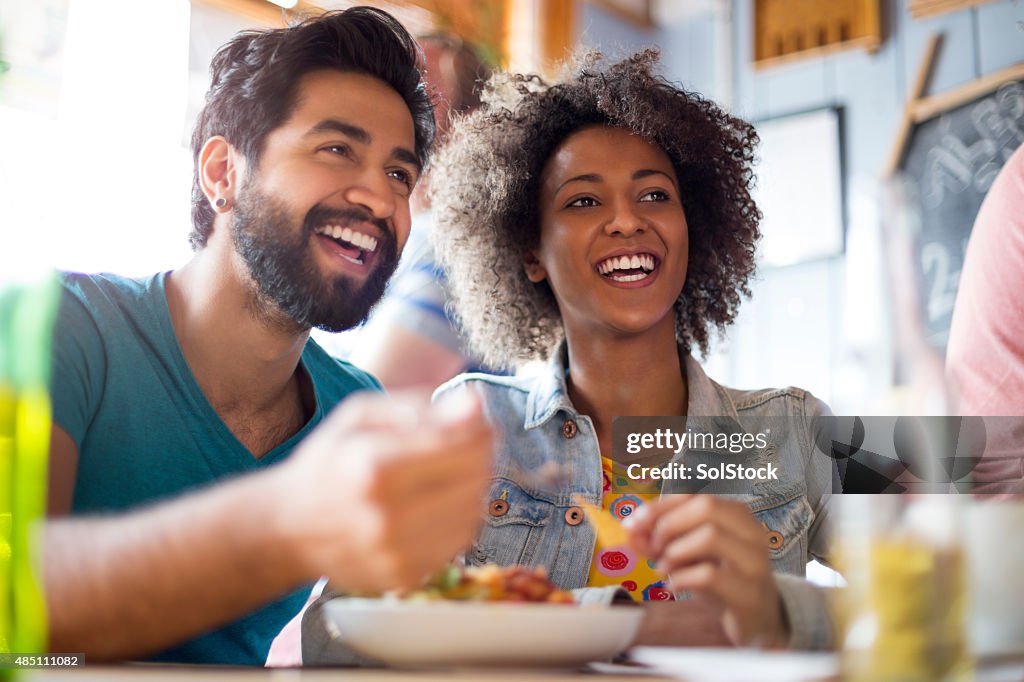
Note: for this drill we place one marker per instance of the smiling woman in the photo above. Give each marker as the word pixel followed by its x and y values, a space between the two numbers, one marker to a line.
pixel 611 198
pixel 494 171
pixel 604 224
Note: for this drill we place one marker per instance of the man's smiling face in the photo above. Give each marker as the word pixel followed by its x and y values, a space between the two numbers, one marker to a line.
pixel 322 219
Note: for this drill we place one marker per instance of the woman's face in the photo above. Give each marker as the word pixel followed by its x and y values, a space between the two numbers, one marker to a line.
pixel 613 242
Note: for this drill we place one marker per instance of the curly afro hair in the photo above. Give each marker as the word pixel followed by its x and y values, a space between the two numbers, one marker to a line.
pixel 487 215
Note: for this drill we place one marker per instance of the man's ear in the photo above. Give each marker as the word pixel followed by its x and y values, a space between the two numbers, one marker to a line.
pixel 221 168
pixel 535 272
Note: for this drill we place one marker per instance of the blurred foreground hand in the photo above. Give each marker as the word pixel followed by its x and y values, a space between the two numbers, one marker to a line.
pixel 388 489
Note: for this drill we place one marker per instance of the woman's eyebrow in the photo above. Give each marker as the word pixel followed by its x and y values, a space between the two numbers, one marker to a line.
pixel 586 177
pixel 646 172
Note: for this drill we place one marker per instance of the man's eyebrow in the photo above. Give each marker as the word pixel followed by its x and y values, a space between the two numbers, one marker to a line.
pixel 586 177
pixel 333 125
pixel 406 156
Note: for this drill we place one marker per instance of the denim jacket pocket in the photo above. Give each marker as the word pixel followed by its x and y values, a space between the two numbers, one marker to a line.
pixel 513 526
pixel 786 525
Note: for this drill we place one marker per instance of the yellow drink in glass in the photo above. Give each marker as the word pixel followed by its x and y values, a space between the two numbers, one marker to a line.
pixel 904 613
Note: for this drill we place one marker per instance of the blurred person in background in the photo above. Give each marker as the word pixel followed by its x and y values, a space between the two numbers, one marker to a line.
pixel 410 339
pixel 985 355
pixel 207 461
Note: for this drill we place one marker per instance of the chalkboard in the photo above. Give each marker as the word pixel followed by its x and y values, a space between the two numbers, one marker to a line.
pixel 950 161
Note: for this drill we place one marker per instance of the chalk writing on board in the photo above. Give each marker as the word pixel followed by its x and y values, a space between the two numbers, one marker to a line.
pixel 956 166
pixel 953 160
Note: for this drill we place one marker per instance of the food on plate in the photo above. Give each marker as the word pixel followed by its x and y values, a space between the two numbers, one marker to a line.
pixel 491 583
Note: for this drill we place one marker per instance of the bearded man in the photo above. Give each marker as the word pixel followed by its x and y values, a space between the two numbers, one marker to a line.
pixel 201 478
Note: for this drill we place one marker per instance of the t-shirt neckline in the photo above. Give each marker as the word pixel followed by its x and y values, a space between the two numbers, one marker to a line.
pixel 202 403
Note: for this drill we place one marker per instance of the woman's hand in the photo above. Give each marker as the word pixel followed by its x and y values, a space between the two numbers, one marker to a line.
pixel 715 547
pixel 688 622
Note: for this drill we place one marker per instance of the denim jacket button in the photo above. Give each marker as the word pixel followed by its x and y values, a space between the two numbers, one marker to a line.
pixel 574 516
pixel 775 539
pixel 498 508
pixel 569 428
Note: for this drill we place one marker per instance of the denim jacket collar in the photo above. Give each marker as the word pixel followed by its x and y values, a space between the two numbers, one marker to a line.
pixel 550 395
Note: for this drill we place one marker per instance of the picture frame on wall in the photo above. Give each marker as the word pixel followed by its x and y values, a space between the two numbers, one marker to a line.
pixel 800 187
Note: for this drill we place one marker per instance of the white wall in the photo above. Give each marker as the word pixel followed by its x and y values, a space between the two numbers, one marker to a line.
pixel 825 325
pixel 100 179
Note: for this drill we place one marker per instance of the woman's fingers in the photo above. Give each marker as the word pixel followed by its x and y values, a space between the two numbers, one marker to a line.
pixel 715 543
pixel 655 525
pixel 713 546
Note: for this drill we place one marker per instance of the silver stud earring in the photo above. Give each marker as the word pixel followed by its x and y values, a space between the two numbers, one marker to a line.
pixel 221 202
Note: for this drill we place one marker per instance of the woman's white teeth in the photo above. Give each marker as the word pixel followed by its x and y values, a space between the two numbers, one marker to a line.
pixel 642 261
pixel 347 234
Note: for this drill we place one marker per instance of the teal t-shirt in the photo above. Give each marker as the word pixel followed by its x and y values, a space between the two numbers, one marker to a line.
pixel 145 431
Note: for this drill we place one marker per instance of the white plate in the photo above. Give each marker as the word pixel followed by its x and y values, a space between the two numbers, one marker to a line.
pixel 449 633
pixel 737 665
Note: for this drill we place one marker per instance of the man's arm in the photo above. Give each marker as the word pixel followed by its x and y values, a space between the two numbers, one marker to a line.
pixel 381 494
pixel 61 472
pixel 131 585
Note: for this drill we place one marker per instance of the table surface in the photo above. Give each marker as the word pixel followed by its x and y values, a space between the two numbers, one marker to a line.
pixel 999 670
pixel 154 673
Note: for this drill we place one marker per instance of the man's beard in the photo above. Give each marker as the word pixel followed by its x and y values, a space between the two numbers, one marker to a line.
pixel 287 277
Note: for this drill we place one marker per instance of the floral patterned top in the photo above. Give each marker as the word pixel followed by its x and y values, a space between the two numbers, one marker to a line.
pixel 620 565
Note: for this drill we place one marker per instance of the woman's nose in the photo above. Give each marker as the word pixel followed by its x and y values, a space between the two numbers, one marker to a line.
pixel 625 222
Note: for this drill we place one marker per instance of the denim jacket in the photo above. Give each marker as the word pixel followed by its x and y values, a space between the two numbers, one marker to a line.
pixel 534 527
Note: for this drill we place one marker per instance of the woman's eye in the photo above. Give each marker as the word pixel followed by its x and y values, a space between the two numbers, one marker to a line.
pixel 582 202
pixel 655 195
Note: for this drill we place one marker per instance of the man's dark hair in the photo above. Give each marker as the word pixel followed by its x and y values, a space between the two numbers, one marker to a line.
pixel 254 79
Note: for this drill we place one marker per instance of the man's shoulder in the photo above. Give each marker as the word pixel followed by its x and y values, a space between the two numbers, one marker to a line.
pixel 96 290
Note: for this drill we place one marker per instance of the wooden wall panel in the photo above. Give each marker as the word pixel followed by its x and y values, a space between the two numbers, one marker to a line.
pixel 785 30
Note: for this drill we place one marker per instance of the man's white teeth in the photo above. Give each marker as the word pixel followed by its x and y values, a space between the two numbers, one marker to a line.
pixel 644 261
pixel 347 234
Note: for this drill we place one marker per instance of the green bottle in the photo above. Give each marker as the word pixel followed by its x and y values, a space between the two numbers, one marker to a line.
pixel 27 311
